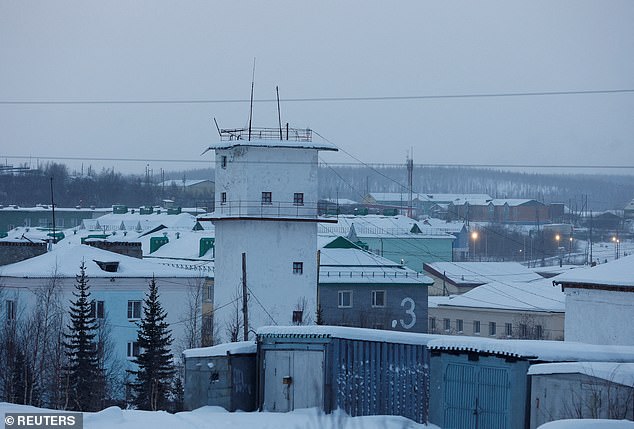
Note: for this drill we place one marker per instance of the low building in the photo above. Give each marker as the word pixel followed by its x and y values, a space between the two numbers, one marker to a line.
pixel 533 310
pixel 628 211
pixel 600 302
pixel 41 216
pixel 587 390
pixel 451 278
pixel 397 238
pixel 202 188
pixel 359 371
pixel 361 289
pixel 478 382
pixel 118 285
pixel 222 376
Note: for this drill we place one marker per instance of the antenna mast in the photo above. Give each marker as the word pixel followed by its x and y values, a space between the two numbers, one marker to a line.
pixel 279 113
pixel 251 106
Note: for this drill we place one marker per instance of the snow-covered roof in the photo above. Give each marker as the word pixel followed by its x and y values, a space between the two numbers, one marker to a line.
pixel 286 144
pixel 359 266
pixel 434 301
pixel 588 424
pixel 615 273
pixel 341 201
pixel 539 295
pixel 540 350
pixel 47 208
pixel 513 202
pixel 323 331
pixel 141 222
pixel 241 347
pixel 382 226
pixel 442 225
pixel 621 373
pixel 65 260
pixel 185 183
pixel 454 197
pixel 476 273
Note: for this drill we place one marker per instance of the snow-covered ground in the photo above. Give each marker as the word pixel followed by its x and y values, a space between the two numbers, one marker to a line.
pixel 218 418
pixel 588 424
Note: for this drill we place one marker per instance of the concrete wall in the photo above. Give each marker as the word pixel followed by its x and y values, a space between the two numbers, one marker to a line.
pixel 552 323
pixel 11 252
pixel 253 170
pixel 271 247
pixel 599 316
pixel 574 396
pixel 405 307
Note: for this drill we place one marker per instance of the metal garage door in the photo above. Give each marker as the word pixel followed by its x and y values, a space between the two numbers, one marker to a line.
pixel 476 397
pixel 293 379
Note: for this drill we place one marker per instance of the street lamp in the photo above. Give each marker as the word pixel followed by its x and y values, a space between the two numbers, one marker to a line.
pixel 474 237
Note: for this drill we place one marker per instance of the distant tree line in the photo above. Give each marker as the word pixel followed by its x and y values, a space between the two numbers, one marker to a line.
pixel 105 188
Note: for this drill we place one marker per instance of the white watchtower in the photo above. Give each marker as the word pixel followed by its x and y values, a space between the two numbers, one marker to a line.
pixel 266 207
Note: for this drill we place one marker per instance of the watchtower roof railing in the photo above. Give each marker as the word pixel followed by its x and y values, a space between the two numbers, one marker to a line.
pixel 292 134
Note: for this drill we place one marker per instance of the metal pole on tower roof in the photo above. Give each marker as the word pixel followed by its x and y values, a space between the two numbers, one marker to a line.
pixel 251 105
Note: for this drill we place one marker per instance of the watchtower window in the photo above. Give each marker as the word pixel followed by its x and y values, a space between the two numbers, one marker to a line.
pixel 298 198
pixel 223 161
pixel 223 198
pixel 267 198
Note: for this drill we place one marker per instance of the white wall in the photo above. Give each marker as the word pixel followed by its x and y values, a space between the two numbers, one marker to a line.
pixel 281 171
pixel 599 316
pixel 271 247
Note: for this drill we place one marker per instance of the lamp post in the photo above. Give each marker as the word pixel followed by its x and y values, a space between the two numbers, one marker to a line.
pixel 474 237
pixel 557 238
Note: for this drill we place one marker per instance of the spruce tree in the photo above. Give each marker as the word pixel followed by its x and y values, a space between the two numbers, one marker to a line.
pixel 155 361
pixel 84 375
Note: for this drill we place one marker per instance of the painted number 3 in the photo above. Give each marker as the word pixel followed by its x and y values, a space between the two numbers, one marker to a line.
pixel 409 311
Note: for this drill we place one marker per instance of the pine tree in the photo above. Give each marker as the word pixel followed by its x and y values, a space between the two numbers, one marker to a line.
pixel 155 361
pixel 83 372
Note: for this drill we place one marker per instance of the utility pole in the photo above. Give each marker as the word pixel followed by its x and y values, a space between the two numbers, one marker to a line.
pixel 410 181
pixel 245 309
pixel 53 208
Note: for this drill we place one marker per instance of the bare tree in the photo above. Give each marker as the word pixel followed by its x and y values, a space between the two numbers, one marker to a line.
pixel 235 324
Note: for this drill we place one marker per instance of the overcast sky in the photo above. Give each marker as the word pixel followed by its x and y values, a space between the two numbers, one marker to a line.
pixel 204 50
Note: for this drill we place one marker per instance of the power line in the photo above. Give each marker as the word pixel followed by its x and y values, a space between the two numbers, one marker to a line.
pixel 326 99
pixel 323 163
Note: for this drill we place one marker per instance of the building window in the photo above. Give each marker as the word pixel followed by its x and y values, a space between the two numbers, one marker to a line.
pixel 298 316
pixel 459 325
pixel 345 298
pixel 298 198
pixel 10 309
pixel 298 268
pixel 378 298
pixel 508 329
pixel 267 198
pixel 133 349
pixel 97 309
pixel 492 329
pixel 223 161
pixel 209 293
pixel 539 332
pixel 523 330
pixel 432 324
pixel 447 325
pixel 476 327
pixel 134 310
pixel 223 198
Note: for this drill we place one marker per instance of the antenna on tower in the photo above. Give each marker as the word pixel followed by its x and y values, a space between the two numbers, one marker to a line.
pixel 279 112
pixel 251 105
pixel 410 181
